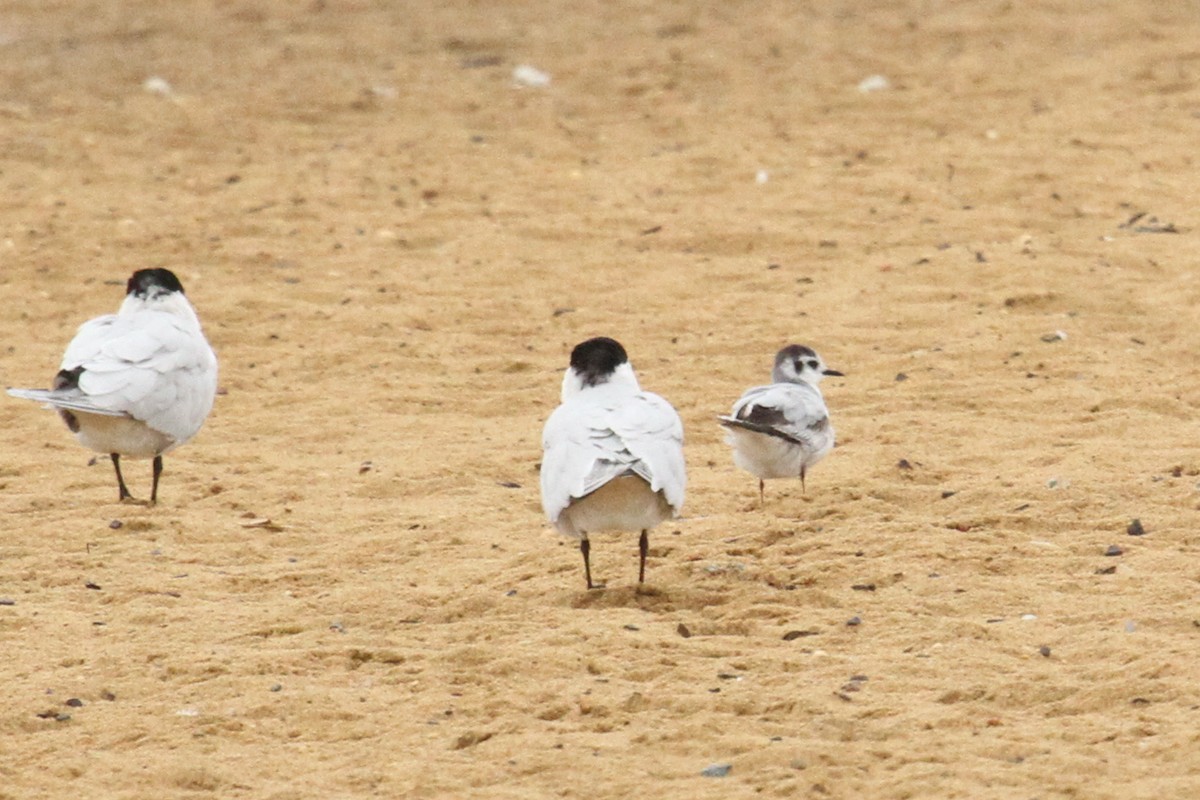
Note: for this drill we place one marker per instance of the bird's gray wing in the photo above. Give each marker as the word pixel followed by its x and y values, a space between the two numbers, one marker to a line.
pixel 652 433
pixel 150 366
pixel 598 436
pixel 792 411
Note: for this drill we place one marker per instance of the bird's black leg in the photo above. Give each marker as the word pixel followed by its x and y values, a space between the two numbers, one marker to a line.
pixel 585 547
pixel 154 486
pixel 762 503
pixel 803 490
pixel 643 548
pixel 124 490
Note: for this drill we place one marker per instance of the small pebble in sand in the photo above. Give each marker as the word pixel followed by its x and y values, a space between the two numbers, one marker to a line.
pixel 683 631
pixel 716 770
pixel 1054 336
pixel 277 687
pixel 530 76
pixel 116 524
pixel 854 621
pixel 158 86
pixel 1135 528
pixel 7 601
pixel 1045 651
pixel 761 177
pixel 874 83
pixel 792 635
pixel 1113 550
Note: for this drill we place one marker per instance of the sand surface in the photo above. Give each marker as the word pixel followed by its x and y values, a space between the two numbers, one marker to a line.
pixel 348 589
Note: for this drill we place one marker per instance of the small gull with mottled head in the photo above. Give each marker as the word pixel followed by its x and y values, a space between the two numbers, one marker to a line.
pixel 782 429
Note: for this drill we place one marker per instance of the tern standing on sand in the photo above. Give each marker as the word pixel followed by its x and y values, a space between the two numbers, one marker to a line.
pixel 138 383
pixel 613 454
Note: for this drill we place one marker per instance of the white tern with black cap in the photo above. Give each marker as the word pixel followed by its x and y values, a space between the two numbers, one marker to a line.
pixel 612 454
pixel 138 383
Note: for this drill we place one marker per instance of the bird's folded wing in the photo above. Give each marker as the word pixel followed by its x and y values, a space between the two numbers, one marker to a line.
pixel 792 409
pixel 652 432
pixel 69 399
pixel 593 439
pixel 145 365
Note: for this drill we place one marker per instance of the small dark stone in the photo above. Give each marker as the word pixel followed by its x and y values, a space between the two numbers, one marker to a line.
pixel 107 695
pixel 509 484
pixel 1113 550
pixel 683 631
pixel 790 635
pixel 728 676
pixel 7 601
pixel 90 585
pixel 116 524
pixel 948 494
pixel 900 376
pixel 1045 651
pixel 854 621
pixel 75 702
pixel 277 687
pixel 903 464
pixel 1135 528
pixel 863 587
pixel 716 770
pixel 631 627
pixel 1106 570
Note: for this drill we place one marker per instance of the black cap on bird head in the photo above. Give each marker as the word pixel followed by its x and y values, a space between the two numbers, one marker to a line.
pixel 595 360
pixel 157 281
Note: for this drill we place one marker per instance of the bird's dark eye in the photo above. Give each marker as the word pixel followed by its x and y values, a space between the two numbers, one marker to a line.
pixel 812 364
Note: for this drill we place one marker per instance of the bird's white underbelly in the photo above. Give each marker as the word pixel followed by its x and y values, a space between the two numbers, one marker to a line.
pixel 623 504
pixel 772 457
pixel 121 435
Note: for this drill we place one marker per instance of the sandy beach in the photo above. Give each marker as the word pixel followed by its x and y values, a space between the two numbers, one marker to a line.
pixel 982 213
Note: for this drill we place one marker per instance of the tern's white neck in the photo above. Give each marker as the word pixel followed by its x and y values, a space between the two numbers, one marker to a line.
pixel 623 377
pixel 168 302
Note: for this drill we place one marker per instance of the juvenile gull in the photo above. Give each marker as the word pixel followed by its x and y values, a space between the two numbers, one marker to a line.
pixel 782 429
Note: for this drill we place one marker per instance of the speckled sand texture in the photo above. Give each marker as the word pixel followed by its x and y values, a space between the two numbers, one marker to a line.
pixel 348 589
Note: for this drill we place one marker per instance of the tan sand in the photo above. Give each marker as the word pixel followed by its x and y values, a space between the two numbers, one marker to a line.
pixel 348 589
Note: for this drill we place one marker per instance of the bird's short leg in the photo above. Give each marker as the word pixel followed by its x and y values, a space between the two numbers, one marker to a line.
pixel 643 548
pixel 762 503
pixel 154 486
pixel 803 490
pixel 585 547
pixel 124 490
